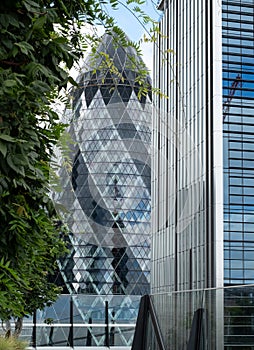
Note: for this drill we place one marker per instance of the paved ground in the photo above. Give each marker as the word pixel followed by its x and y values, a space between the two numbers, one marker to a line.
pixel 80 348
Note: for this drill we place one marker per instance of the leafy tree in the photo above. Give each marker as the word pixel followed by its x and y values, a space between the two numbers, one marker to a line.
pixel 40 41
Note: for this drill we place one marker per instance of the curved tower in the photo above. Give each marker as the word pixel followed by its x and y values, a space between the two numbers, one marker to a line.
pixel 108 188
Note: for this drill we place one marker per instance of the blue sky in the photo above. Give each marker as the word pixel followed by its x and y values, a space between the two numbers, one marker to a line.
pixel 127 21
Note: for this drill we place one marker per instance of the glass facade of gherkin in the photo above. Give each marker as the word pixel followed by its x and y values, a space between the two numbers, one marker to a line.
pixel 106 190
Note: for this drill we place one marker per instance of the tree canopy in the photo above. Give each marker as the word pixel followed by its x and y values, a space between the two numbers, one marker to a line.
pixel 38 40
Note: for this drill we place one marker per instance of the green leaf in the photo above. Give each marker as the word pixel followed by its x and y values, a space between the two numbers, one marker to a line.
pixel 31 5
pixel 7 138
pixel 73 82
pixel 114 3
pixel 35 69
pixel 13 20
pixel 12 165
pixel 25 47
pixel 3 148
pixel 170 51
pixel 4 20
pixel 7 43
pixel 3 53
pixel 10 83
pixel 39 23
pixel 15 51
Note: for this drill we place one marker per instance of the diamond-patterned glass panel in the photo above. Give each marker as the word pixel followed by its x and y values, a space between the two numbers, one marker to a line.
pixel 107 193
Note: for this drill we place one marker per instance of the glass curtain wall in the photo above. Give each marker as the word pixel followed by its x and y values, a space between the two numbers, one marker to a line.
pixel 189 320
pixel 106 180
pixel 238 131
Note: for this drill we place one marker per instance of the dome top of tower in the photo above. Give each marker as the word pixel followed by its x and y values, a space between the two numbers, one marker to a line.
pixel 114 71
pixel 122 56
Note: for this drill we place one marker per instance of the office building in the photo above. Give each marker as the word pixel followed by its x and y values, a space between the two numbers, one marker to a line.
pixel 106 184
pixel 203 186
pixel 203 183
pixel 105 190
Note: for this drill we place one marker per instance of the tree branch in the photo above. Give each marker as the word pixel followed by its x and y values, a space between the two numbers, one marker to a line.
pixel 11 63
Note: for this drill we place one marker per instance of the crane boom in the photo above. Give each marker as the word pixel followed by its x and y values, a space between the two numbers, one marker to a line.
pixel 234 86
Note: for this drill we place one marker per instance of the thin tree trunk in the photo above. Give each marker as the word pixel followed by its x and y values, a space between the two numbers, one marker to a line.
pixel 18 327
pixel 7 328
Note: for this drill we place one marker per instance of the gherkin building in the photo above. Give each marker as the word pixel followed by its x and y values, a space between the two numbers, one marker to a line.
pixel 106 180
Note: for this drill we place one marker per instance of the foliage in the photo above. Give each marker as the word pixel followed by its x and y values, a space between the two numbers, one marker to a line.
pixel 40 40
pixel 11 344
